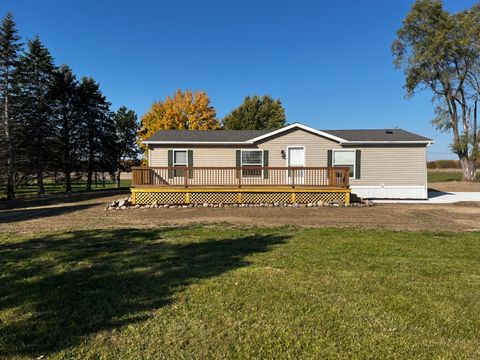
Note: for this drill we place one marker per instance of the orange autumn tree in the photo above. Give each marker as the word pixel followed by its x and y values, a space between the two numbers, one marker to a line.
pixel 184 111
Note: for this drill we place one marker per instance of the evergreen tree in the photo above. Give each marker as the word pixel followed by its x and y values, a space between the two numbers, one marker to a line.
pixel 127 129
pixel 34 77
pixel 9 47
pixel 256 114
pixel 65 103
pixel 98 127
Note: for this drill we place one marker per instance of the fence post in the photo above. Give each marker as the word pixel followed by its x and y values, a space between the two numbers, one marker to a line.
pixel 185 176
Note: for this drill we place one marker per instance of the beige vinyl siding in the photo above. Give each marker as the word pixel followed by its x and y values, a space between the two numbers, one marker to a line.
pixel 388 165
pixel 207 155
pixel 392 165
pixel 202 155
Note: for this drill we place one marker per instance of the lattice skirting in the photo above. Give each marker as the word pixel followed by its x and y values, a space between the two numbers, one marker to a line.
pixel 305 197
pixel 225 197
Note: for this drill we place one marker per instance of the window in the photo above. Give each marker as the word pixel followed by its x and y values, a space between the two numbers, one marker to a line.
pixel 345 158
pixel 252 158
pixel 180 159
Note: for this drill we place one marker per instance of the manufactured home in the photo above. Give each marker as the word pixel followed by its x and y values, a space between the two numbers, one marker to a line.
pixel 296 163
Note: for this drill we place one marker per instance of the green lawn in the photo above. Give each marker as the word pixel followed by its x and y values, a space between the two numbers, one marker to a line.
pixel 52 188
pixel 434 176
pixel 442 176
pixel 226 292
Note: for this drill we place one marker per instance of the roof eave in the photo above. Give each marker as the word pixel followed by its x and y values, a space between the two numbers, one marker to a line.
pixel 153 142
pixel 426 142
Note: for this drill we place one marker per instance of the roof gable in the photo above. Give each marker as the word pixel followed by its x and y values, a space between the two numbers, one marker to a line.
pixel 298 126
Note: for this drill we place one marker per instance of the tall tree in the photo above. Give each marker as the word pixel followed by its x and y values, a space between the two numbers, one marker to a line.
pixel 256 113
pixel 184 111
pixel 100 142
pixel 9 47
pixel 127 129
pixel 34 79
pixel 439 51
pixel 66 121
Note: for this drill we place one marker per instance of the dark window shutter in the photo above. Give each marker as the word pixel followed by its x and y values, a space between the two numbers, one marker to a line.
pixel 239 161
pixel 170 163
pixel 190 163
pixel 265 164
pixel 358 155
pixel 329 158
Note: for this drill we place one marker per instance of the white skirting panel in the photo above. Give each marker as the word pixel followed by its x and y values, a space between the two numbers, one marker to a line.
pixel 390 192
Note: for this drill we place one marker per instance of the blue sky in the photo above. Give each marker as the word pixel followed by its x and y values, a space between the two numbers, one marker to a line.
pixel 328 61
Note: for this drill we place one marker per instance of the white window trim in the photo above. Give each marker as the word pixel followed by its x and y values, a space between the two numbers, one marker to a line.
pixel 241 160
pixel 173 160
pixel 287 158
pixel 354 160
pixel 241 156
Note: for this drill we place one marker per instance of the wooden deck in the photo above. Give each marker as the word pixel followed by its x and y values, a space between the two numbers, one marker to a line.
pixel 186 185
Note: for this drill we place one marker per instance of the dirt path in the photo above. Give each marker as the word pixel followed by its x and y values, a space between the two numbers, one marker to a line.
pixel 87 212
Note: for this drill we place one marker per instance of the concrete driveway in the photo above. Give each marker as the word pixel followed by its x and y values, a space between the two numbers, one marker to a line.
pixel 438 197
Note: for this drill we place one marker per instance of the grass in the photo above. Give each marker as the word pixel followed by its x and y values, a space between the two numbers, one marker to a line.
pixel 446 176
pixel 52 188
pixel 227 292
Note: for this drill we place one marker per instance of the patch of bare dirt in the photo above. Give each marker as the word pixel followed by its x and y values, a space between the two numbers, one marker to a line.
pixel 87 212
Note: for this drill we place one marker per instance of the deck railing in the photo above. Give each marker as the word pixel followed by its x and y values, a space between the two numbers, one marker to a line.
pixel 238 177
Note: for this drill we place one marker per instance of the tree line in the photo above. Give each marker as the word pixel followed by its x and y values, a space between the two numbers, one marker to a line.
pixel 192 111
pixel 53 123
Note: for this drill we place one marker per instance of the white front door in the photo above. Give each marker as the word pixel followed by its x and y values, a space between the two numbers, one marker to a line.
pixel 296 158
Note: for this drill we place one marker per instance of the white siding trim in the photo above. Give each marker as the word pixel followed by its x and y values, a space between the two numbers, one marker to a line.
pixel 391 192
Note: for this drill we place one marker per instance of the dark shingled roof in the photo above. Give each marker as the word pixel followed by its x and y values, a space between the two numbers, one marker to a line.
pixel 207 135
pixel 220 136
pixel 377 135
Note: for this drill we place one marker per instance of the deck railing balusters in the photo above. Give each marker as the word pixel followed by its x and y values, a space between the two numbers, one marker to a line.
pixel 241 176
